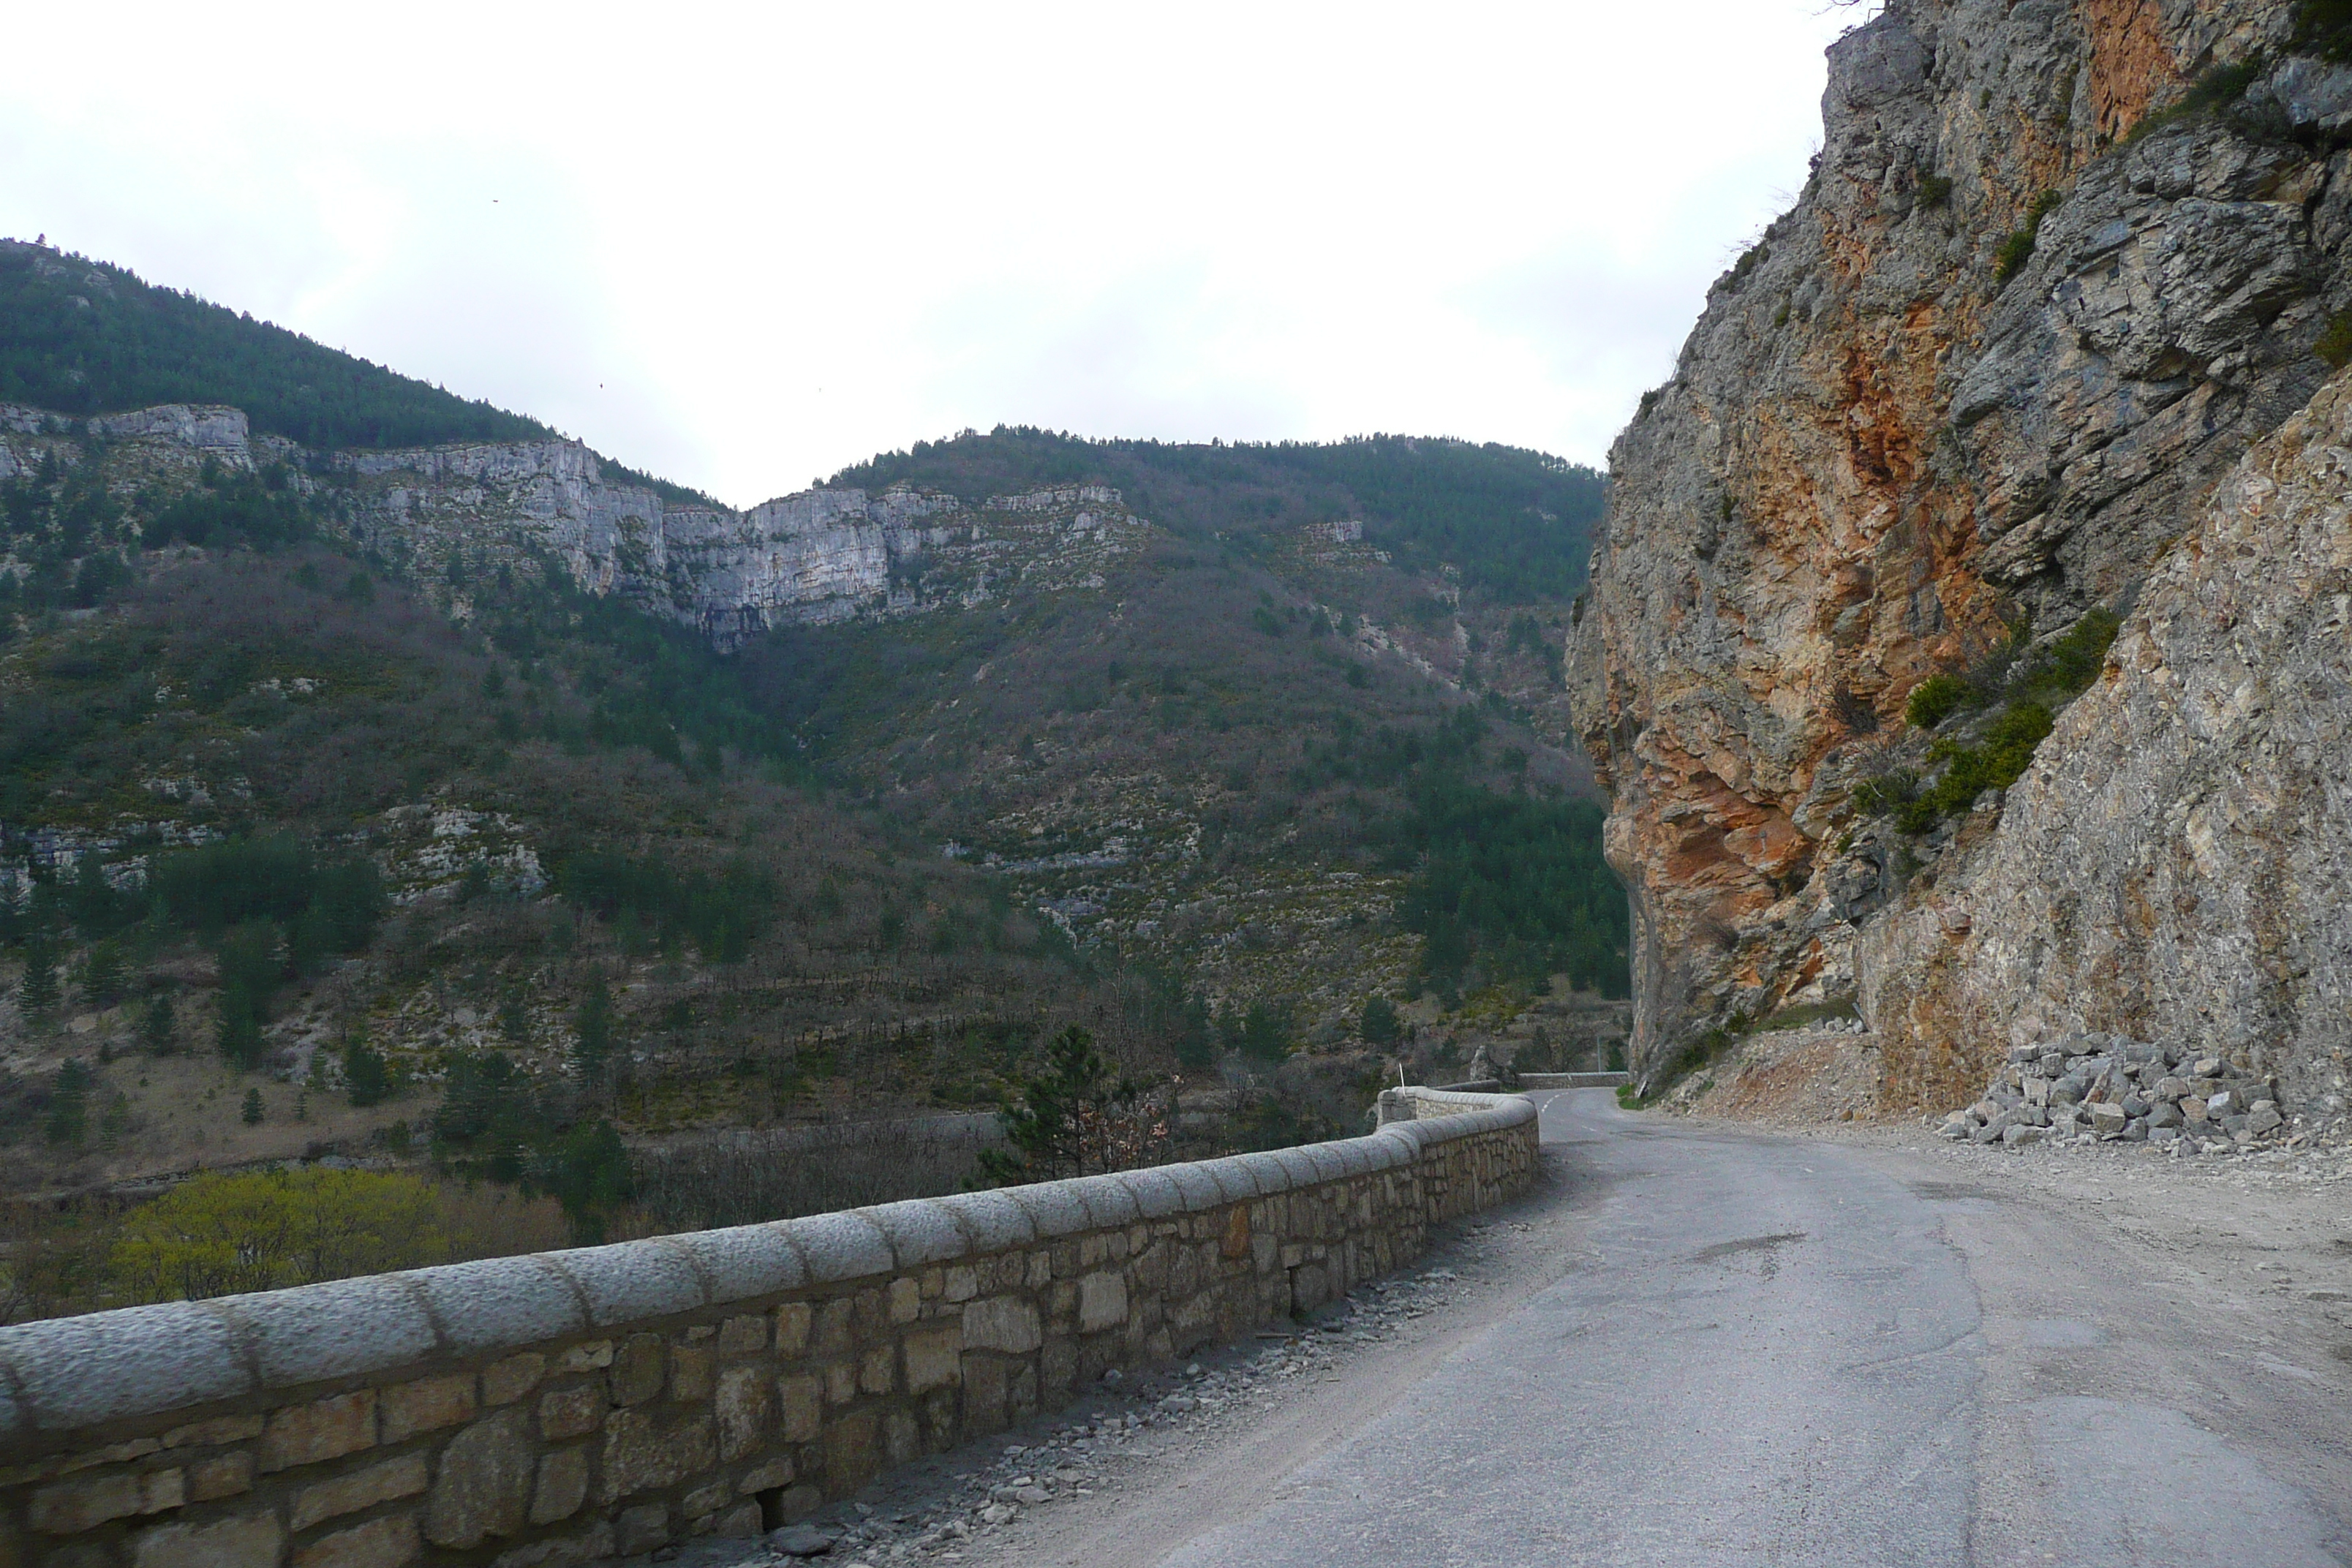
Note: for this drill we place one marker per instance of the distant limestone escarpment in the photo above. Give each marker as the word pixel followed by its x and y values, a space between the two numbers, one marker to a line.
pixel 1967 635
pixel 819 556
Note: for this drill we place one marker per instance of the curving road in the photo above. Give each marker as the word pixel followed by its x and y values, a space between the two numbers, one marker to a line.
pixel 1752 1350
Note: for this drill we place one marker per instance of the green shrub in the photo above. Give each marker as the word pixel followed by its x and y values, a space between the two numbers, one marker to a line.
pixel 1266 1031
pixel 1935 699
pixel 2324 27
pixel 365 1073
pixel 1935 191
pixel 2070 663
pixel 2018 248
pixel 2222 85
pixel 1380 1024
pixel 2335 344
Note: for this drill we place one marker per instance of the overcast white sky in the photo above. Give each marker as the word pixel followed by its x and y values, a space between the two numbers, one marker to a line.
pixel 745 246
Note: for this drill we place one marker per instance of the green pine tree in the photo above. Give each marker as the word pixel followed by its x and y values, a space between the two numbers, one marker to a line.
pixel 37 994
pixel 159 1026
pixel 592 1025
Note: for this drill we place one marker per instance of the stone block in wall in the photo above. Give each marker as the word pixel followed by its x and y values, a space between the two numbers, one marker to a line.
pixel 793 1319
pixel 746 1335
pixel 389 1542
pixel 1057 1368
pixel 593 1545
pixel 1006 1323
pixel 223 1474
pixel 800 1409
pixel 560 1485
pixel 852 1455
pixel 571 1412
pixel 740 1405
pixel 505 1381
pixel 934 1355
pixel 356 1490
pixel 239 1543
pixel 641 1528
pixel 693 1370
pixel 772 1476
pixel 984 1391
pixel 426 1405
pixel 641 1455
pixel 483 1484
pixel 902 1437
pixel 71 1507
pixel 638 1369
pixel 321 1429
pixel 209 1434
pixel 1102 1301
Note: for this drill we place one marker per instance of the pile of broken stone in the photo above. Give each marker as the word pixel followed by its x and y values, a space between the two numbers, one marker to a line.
pixel 2092 1089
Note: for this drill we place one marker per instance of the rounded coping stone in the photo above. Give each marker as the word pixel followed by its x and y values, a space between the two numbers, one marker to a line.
pixel 920 1231
pixel 337 1328
pixel 1055 1208
pixel 79 1372
pixel 994 1221
pixel 497 1303
pixel 1392 1148
pixel 1107 1201
pixel 1329 1164
pixel 1233 1179
pixel 632 1280
pixel 745 1260
pixel 1413 1135
pixel 1198 1189
pixel 1268 1170
pixel 841 1247
pixel 1297 1169
pixel 1155 1192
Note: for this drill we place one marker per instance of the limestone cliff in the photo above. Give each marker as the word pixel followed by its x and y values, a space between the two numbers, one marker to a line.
pixel 818 556
pixel 1986 372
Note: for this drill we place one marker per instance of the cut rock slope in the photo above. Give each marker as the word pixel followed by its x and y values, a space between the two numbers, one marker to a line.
pixel 1989 372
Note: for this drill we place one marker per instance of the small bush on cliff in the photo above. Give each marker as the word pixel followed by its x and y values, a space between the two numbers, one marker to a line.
pixel 2216 90
pixel 2018 248
pixel 1936 698
pixel 2335 344
pixel 1995 762
pixel 2324 27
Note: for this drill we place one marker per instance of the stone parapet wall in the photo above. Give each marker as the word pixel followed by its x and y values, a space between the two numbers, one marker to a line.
pixel 1529 1081
pixel 533 1411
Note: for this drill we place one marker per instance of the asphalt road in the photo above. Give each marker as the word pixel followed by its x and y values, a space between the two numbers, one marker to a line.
pixel 1767 1350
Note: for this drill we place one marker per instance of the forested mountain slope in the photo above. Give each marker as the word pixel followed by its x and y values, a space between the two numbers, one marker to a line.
pixel 477 804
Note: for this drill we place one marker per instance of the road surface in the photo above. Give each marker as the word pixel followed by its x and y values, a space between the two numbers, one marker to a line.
pixel 1753 1350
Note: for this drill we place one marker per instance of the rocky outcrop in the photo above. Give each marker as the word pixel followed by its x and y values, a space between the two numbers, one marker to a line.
pixel 2178 865
pixel 1990 368
pixel 819 556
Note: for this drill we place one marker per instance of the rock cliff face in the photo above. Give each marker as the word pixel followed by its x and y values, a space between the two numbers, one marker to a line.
pixel 819 556
pixel 1990 371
